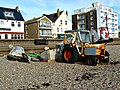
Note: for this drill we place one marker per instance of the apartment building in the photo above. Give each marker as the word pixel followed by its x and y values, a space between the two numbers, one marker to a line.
pixel 11 23
pixel 119 31
pixel 97 17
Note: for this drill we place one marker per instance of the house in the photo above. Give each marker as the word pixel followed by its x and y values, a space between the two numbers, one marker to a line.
pixel 11 23
pixel 98 17
pixel 48 26
pixel 38 28
pixel 60 23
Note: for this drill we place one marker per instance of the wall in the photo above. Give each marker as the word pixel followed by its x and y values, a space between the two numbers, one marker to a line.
pixel 28 44
pixel 32 30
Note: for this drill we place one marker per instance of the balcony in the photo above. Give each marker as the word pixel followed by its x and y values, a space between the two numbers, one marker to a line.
pixel 45 26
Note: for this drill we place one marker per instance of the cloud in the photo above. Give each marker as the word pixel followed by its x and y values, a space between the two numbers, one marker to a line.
pixel 41 3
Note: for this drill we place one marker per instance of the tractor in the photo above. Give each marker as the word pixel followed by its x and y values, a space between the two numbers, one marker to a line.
pixel 85 46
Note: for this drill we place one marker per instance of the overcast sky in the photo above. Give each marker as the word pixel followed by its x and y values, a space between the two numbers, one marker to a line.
pixel 35 8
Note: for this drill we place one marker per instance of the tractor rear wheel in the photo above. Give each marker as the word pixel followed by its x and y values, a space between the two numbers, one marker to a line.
pixel 91 60
pixel 105 60
pixel 69 55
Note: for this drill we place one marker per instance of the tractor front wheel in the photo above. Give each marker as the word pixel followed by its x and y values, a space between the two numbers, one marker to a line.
pixel 91 60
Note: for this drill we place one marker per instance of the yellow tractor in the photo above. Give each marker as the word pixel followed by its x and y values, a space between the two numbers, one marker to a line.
pixel 85 46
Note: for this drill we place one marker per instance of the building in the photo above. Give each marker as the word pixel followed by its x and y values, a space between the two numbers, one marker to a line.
pixel 60 23
pixel 38 28
pixel 11 23
pixel 97 17
pixel 119 31
pixel 48 26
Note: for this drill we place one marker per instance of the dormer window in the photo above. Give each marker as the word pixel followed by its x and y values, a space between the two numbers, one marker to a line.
pixel 8 14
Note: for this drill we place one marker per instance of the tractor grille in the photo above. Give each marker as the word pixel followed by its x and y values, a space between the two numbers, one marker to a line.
pixel 90 51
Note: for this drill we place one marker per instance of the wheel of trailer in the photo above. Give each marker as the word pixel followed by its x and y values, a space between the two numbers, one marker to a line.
pixel 105 60
pixel 91 60
pixel 11 58
pixel 69 55
pixel 25 57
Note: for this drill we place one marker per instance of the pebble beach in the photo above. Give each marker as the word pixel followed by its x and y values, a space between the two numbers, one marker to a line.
pixel 61 76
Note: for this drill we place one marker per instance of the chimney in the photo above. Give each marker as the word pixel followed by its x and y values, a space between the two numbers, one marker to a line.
pixel 17 8
pixel 58 12
pixel 67 13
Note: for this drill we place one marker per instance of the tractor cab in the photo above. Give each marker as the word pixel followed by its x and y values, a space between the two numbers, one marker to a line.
pixel 82 36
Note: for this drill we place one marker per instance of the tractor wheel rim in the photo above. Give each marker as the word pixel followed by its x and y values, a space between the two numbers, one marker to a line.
pixel 89 62
pixel 67 55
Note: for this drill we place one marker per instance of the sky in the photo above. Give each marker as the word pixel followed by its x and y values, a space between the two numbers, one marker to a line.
pixel 36 8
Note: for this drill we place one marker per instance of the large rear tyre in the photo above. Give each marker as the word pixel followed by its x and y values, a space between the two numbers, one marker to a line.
pixel 91 60
pixel 105 60
pixel 69 55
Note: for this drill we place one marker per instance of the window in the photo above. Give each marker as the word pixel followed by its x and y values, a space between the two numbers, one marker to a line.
pixel 101 11
pixel 44 24
pixel 57 29
pixel 91 18
pixel 15 36
pixel 105 13
pixel 102 17
pixel 8 14
pixel 115 24
pixel 92 28
pixel 91 13
pixel 82 26
pixel 115 19
pixel 12 36
pixel 82 21
pixel 1 23
pixel 65 22
pixel 12 24
pixel 112 15
pixel 113 30
pixel 21 36
pixel 82 16
pixel 18 36
pixel 91 23
pixel 6 36
pixel 112 24
pixel 112 20
pixel 19 24
pixel 115 15
pixel 61 22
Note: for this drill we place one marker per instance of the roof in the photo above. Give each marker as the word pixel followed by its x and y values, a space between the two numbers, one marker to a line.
pixel 53 17
pixel 10 14
pixel 32 20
